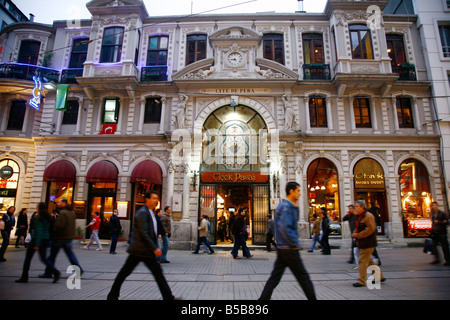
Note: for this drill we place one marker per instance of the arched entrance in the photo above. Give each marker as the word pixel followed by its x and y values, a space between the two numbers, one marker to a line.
pixel 9 181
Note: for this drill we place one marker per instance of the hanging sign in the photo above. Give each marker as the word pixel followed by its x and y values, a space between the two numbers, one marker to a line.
pixel 35 101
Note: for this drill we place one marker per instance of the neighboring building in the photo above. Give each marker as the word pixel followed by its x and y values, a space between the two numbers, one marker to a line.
pixel 256 99
pixel 10 13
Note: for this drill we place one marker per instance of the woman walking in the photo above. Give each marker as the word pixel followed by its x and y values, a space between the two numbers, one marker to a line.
pixel 22 226
pixel 40 238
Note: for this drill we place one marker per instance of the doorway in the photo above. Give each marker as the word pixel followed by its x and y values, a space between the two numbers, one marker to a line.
pixel 376 204
pixel 102 198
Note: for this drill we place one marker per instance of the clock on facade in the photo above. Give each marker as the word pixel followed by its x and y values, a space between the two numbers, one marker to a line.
pixel 235 59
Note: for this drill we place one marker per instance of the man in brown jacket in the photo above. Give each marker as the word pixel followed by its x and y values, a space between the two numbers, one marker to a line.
pixel 366 240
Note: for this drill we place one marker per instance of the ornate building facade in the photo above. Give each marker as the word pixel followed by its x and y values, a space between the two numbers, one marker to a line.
pixel 218 112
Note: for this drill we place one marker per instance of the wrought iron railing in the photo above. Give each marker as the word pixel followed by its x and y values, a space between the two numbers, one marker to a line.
pixel 23 71
pixel 316 71
pixel 154 73
pixel 406 72
pixel 68 75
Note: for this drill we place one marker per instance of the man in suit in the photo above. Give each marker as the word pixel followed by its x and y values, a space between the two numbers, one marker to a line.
pixel 143 247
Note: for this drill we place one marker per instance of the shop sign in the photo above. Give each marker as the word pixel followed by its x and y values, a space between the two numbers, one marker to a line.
pixel 6 172
pixel 234 177
pixel 236 90
pixel 420 224
pixel 369 175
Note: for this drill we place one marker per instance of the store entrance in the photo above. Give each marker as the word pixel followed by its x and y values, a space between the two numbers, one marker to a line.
pixel 102 197
pixel 376 204
pixel 221 202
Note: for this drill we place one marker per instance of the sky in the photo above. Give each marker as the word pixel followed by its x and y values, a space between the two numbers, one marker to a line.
pixel 46 11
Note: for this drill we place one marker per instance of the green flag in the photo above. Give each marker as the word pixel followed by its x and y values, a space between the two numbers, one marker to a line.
pixel 61 96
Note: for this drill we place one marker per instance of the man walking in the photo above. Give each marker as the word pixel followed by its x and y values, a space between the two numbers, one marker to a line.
pixel 166 223
pixel 116 228
pixel 203 235
pixel 351 218
pixel 143 248
pixel 95 227
pixel 288 245
pixel 439 234
pixel 269 233
pixel 366 241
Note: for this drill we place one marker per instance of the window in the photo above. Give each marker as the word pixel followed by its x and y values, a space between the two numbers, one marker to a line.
pixel 361 41
pixel 273 47
pixel 444 32
pixel 79 53
pixel 313 48
pixel 404 113
pixel 152 110
pixel 112 44
pixel 29 52
pixel 318 112
pixel 111 110
pixel 196 48
pixel 157 51
pixel 361 109
pixel 396 50
pixel 16 115
pixel 71 113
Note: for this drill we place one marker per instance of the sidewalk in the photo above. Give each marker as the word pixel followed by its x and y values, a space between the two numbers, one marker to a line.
pixel 220 277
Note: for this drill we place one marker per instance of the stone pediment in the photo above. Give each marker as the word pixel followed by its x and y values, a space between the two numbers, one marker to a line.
pixel 102 7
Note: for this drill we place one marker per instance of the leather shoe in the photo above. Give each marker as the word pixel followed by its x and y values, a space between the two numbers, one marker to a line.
pixel 358 285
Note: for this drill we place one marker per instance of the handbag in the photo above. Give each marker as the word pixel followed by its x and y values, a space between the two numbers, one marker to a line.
pixel 2 224
pixel 428 246
pixel 28 238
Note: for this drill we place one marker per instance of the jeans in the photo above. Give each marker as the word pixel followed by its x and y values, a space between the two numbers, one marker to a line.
pixel 442 239
pixel 65 244
pixel 239 240
pixel 165 247
pixel 314 239
pixel 324 242
pixel 131 263
pixel 5 235
pixel 50 266
pixel 114 238
pixel 94 237
pixel 288 258
pixel 203 240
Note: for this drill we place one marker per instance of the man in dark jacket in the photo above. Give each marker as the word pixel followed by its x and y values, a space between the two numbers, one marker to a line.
pixel 143 247
pixel 439 234
pixel 116 228
pixel 366 241
pixel 240 231
pixel 351 218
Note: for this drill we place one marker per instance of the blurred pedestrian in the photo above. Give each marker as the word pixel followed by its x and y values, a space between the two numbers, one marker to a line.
pixel 203 235
pixel 288 245
pixel 116 228
pixel 63 234
pixel 270 233
pixel 351 218
pixel 439 233
pixel 325 224
pixel 21 226
pixel 166 222
pixel 315 232
pixel 240 234
pixel 143 248
pixel 40 241
pixel 9 221
pixel 365 234
pixel 95 227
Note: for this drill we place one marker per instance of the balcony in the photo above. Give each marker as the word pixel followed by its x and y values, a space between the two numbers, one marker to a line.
pixel 68 75
pixel 316 71
pixel 154 73
pixel 407 72
pixel 21 71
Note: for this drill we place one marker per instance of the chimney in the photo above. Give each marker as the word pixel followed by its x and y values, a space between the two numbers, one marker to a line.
pixel 31 17
pixel 300 6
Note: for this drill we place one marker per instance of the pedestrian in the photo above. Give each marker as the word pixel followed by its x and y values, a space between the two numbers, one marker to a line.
pixel 365 234
pixel 116 228
pixel 159 229
pixel 21 226
pixel 351 218
pixel 270 233
pixel 240 234
pixel 231 221
pixel 143 248
pixel 315 232
pixel 203 235
pixel 63 234
pixel 325 224
pixel 9 221
pixel 40 241
pixel 288 245
pixel 166 222
pixel 439 233
pixel 95 227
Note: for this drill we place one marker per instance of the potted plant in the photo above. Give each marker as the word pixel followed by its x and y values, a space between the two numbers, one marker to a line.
pixel 78 231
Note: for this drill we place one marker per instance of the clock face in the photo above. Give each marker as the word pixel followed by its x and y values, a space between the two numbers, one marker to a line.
pixel 235 59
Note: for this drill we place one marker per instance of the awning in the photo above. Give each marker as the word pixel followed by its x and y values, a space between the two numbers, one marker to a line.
pixel 102 171
pixel 60 171
pixel 147 171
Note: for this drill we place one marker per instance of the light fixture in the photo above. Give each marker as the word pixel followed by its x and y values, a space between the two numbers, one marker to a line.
pixel 232 103
pixel 50 85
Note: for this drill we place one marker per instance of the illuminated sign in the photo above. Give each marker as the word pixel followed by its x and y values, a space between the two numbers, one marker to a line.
pixel 420 224
pixel 234 177
pixel 369 174
pixel 35 101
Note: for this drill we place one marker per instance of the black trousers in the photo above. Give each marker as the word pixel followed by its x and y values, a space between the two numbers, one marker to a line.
pixel 443 240
pixel 131 263
pixel 288 258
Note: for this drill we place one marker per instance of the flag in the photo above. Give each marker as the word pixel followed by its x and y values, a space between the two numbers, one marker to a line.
pixel 108 128
pixel 61 97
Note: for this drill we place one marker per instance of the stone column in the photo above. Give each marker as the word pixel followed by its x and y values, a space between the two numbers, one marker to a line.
pixel 186 185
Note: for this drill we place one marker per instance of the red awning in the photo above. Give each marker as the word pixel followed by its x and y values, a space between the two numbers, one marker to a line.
pixel 102 171
pixel 60 171
pixel 147 171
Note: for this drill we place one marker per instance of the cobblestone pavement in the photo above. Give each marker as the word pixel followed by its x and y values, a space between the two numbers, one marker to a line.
pixel 410 276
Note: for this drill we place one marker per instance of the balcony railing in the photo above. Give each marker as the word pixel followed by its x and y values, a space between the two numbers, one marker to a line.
pixel 154 73
pixel 21 71
pixel 68 75
pixel 406 72
pixel 316 71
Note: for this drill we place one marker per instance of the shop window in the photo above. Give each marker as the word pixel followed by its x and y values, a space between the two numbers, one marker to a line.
pixel 196 48
pixel 59 190
pixel 111 110
pixel 404 113
pixel 318 112
pixel 323 191
pixel 416 198
pixel 79 53
pixel 273 47
pixel 71 112
pixel 9 180
pixel 361 41
pixel 152 110
pixel 112 45
pixel 16 115
pixel 29 52
pixel 361 109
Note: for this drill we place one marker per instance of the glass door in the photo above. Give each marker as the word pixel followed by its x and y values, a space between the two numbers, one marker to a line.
pixel 260 203
pixel 102 198
pixel 208 206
